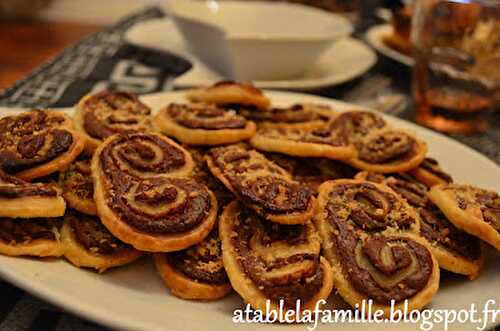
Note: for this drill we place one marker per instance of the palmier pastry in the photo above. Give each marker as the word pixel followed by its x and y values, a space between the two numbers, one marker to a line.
pixel 316 142
pixel 355 125
pixel 202 174
pixel 37 143
pixel 202 124
pixel 430 173
pixel 103 114
pixel 87 243
pixel 388 151
pixel 454 249
pixel 370 236
pixel 28 200
pixel 268 261
pixel 196 272
pixel 34 237
pixel 229 93
pixel 143 196
pixel 474 210
pixel 312 172
pixel 261 185
pixel 78 187
pixel 298 116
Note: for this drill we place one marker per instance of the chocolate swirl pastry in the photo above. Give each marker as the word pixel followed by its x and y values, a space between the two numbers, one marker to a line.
pixel 353 126
pixel 454 249
pixel 231 94
pixel 369 235
pixel 78 187
pixel 103 114
pixel 20 199
pixel 196 272
pixel 203 124
pixel 33 237
pixel 143 196
pixel 388 151
pixel 37 143
pixel 298 115
pixel 430 173
pixel 87 243
pixel 303 142
pixel 261 185
pixel 201 174
pixel 312 172
pixel 266 261
pixel 471 209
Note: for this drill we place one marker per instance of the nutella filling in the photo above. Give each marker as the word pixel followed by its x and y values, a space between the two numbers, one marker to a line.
pixel 260 184
pixel 201 262
pixel 387 147
pixel 89 232
pixel 206 117
pixel 32 139
pixel 292 276
pixel 142 153
pixel 160 205
pixel 25 231
pixel 295 114
pixel 355 125
pixel 432 166
pixel 382 267
pixel 78 180
pixel 434 226
pixel 12 188
pixel 107 113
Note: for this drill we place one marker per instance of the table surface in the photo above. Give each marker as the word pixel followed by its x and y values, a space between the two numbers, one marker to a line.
pixel 30 43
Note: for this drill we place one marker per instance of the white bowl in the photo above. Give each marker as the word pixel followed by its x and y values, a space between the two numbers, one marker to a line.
pixel 254 40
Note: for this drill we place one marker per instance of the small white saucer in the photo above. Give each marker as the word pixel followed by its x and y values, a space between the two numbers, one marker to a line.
pixel 344 60
pixel 375 37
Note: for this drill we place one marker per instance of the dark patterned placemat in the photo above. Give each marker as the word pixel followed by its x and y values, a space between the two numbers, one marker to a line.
pixel 101 61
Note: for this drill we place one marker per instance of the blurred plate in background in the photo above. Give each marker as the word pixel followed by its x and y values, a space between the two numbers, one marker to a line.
pixel 343 61
pixel 375 37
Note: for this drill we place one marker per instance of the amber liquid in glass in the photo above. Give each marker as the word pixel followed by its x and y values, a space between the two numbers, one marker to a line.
pixel 447 99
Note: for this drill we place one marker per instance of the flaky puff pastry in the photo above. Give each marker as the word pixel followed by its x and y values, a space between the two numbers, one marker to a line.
pixel 143 194
pixel 266 261
pixel 370 236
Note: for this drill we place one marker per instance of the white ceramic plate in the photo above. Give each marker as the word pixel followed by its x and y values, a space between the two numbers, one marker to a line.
pixel 134 298
pixel 375 36
pixel 344 60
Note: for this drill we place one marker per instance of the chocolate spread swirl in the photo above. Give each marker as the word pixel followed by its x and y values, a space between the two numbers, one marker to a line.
pixel 136 168
pixel 78 180
pixel 15 231
pixel 12 188
pixel 355 125
pixel 32 139
pixel 304 277
pixel 387 147
pixel 89 232
pixel 297 113
pixel 258 182
pixel 432 166
pixel 137 154
pixel 434 226
pixel 201 262
pixel 367 207
pixel 320 135
pixel 107 113
pixel 206 117
pixel 381 265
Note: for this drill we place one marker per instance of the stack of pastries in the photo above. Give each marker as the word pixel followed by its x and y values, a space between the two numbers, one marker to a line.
pixel 227 192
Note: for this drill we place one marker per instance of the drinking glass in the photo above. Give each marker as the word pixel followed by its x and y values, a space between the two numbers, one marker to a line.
pixel 456 76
